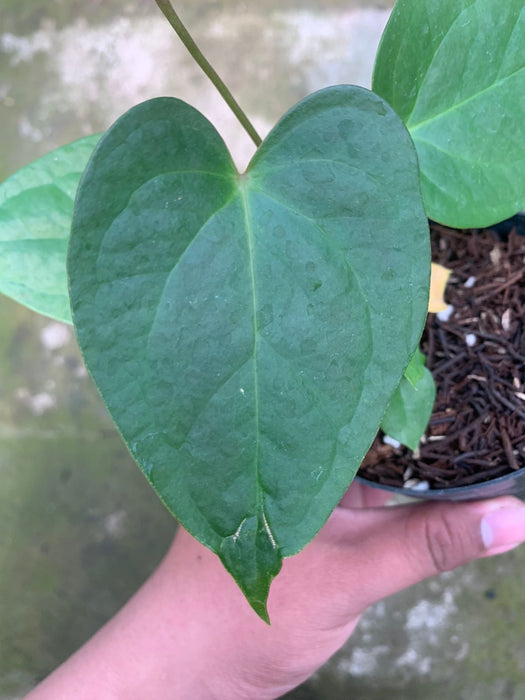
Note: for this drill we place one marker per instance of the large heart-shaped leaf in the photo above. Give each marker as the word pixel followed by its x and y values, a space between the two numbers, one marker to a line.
pixel 454 70
pixel 36 207
pixel 247 331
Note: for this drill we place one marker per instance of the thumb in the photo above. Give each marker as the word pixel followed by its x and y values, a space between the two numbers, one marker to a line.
pixel 407 544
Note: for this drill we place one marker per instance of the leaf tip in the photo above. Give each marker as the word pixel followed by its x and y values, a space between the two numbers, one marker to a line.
pixel 261 608
pixel 253 558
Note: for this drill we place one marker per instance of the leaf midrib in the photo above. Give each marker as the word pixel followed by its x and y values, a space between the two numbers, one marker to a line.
pixel 243 193
pixel 458 105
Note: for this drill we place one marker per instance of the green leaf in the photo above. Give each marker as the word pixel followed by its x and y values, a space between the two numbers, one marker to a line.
pixel 409 411
pixel 36 208
pixel 416 368
pixel 247 331
pixel 454 70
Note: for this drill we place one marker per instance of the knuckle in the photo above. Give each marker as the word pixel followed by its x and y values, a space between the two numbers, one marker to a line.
pixel 442 544
pixel 440 537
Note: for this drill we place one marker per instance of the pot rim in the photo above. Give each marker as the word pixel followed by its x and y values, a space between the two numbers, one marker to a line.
pixel 483 489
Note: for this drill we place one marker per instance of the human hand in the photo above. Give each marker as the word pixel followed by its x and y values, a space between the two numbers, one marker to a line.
pixel 363 554
pixel 189 632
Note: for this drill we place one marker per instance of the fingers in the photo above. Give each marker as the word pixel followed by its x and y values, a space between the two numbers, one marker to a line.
pixel 393 548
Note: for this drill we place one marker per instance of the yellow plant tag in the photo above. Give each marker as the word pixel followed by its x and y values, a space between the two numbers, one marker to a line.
pixel 438 281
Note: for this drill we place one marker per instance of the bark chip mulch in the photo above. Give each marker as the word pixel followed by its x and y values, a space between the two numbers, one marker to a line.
pixel 477 357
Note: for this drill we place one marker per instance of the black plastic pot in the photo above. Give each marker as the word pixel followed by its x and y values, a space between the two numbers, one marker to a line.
pixel 509 485
pixel 512 484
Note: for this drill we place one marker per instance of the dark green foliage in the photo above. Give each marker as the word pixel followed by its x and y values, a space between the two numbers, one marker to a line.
pixel 236 325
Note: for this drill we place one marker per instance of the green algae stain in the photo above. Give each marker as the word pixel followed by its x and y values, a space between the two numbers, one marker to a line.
pixel 81 529
pixel 493 619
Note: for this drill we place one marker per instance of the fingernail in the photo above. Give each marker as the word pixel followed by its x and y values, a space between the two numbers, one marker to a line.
pixel 502 527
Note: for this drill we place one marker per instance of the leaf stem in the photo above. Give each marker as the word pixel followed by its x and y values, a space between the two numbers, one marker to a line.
pixel 168 11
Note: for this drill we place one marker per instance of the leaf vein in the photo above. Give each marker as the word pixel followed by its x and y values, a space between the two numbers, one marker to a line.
pixel 413 128
pixel 251 252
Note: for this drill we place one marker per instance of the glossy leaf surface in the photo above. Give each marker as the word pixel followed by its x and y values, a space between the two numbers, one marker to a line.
pixel 411 406
pixel 454 70
pixel 36 208
pixel 415 370
pixel 247 331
